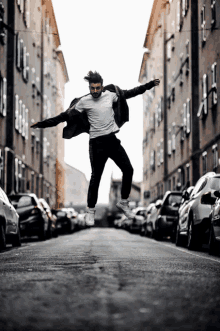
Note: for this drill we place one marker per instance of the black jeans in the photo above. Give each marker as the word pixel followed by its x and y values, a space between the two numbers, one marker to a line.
pixel 100 149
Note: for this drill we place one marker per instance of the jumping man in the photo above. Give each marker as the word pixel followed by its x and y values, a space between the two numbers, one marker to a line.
pixel 101 113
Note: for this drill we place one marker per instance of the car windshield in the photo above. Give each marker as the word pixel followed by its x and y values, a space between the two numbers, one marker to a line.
pixel 21 201
pixel 215 183
pixel 174 198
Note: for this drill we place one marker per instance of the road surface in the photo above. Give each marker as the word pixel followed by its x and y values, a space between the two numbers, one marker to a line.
pixel 108 279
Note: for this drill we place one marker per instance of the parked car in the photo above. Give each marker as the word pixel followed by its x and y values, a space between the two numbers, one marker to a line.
pixel 118 220
pixel 65 223
pixel 151 219
pixel 167 215
pixel 9 223
pixel 180 240
pixel 194 221
pixel 149 208
pixel 73 215
pixel 81 220
pixel 52 226
pixel 138 220
pixel 33 218
pixel 213 198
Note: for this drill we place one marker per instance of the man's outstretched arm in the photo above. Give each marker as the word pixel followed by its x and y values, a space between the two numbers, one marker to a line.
pixel 140 89
pixel 53 121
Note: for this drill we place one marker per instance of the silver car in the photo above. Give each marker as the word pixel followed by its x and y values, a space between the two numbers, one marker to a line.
pixel 9 223
pixel 194 222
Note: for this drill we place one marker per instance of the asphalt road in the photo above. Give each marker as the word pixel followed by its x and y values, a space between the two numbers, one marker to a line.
pixel 108 279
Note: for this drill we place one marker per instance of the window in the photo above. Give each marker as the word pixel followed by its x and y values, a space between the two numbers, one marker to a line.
pixel 27 13
pixel 188 174
pixel 169 49
pixel 174 183
pixel 20 4
pixel 45 149
pixel 173 136
pixel 213 9
pixel 169 185
pixel 19 50
pixel 173 93
pixel 16 112
pixel 158 154
pixel 1 167
pixel 185 7
pixel 152 160
pixel 2 29
pixel 187 58
pixel 173 39
pixel 204 163
pixel 159 110
pixel 181 69
pixel 203 26
pixel 37 145
pixel 26 123
pixel 32 142
pixel 161 150
pixel 169 142
pixel 205 93
pixel 183 124
pixel 215 156
pixel 23 121
pixel 3 96
pixel 37 185
pixel 25 64
pixel 214 84
pixel 179 15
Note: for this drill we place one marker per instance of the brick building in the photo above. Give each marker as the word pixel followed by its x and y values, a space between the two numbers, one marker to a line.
pixel 180 39
pixel 33 65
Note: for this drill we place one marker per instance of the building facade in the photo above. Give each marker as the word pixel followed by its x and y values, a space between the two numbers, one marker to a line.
pixel 32 65
pixel 189 113
pixel 76 187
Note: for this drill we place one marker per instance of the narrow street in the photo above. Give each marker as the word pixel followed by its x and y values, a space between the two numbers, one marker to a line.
pixel 108 279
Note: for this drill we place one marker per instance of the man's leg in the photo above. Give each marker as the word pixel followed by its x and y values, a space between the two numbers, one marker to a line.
pixel 98 158
pixel 120 157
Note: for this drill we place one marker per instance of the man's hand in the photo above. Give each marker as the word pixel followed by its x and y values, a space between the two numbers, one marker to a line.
pixel 156 82
pixel 35 125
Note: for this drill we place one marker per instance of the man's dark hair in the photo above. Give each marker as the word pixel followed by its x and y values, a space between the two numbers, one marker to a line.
pixel 93 77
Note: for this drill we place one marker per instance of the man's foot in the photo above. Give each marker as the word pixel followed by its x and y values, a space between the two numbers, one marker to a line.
pixel 124 207
pixel 90 217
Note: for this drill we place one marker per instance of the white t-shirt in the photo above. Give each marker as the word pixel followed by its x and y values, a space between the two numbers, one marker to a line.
pixel 100 113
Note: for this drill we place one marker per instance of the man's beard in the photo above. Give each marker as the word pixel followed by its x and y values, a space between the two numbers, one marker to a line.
pixel 96 95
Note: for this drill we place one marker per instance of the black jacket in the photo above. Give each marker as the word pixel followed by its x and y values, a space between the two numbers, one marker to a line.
pixel 78 123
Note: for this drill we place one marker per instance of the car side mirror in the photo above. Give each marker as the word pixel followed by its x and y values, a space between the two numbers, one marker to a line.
pixel 185 195
pixel 207 199
pixel 158 205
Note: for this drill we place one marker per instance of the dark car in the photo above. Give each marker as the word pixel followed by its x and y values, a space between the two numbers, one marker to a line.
pixel 52 226
pixel 65 223
pixel 167 215
pixel 213 199
pixel 9 222
pixel 33 219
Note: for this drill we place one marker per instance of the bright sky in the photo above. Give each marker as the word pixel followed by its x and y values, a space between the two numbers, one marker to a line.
pixel 106 36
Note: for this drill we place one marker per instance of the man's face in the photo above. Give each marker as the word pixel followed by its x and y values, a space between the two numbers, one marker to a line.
pixel 96 89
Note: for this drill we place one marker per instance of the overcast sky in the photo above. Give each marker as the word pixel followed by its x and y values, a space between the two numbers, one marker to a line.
pixel 106 36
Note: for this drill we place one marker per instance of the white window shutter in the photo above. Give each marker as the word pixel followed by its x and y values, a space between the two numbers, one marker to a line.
pixel 26 124
pixel 20 117
pixel 16 175
pixel 16 112
pixel 173 136
pixel 214 84
pixel 161 150
pixel 188 117
pixel 23 121
pixel 205 93
pixel 4 97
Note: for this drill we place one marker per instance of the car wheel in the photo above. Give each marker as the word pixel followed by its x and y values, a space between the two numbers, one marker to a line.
pixel 42 234
pixel 49 232
pixel 191 236
pixel 214 247
pixel 157 234
pixel 173 235
pixel 142 231
pixel 2 237
pixel 179 238
pixel 16 240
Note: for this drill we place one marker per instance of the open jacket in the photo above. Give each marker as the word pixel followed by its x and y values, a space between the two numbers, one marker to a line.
pixel 78 123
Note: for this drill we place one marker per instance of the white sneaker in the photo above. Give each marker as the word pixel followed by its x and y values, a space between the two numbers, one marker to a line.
pixel 90 217
pixel 124 207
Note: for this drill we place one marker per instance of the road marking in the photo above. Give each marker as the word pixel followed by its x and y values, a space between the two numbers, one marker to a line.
pixel 185 251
